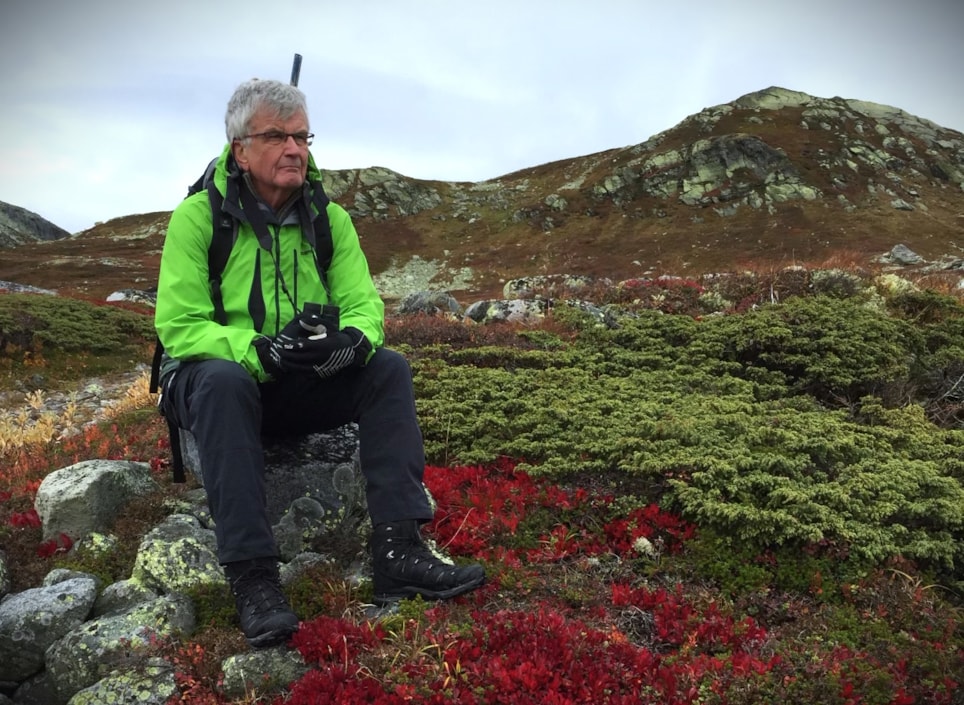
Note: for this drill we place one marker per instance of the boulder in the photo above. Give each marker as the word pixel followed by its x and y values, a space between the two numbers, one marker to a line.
pixel 32 620
pixel 80 499
pixel 177 555
pixel 151 684
pixel 99 647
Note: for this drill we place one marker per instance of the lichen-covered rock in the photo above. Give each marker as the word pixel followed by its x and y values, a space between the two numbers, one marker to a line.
pixel 121 597
pixel 32 620
pixel 86 497
pixel 261 671
pixel 303 522
pixel 96 545
pixel 97 648
pixel 517 310
pixel 295 568
pixel 151 683
pixel 432 303
pixel 36 690
pixel 324 467
pixel 550 286
pixel 176 555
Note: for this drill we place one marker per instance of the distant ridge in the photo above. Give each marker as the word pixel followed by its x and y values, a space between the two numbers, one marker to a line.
pixel 775 178
pixel 18 226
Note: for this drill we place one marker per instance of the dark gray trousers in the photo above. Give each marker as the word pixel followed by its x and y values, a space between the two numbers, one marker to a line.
pixel 227 411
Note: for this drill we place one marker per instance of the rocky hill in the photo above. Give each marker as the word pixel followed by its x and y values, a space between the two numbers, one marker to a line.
pixel 18 226
pixel 774 178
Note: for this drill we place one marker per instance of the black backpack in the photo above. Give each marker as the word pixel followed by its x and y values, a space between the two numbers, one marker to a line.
pixel 222 240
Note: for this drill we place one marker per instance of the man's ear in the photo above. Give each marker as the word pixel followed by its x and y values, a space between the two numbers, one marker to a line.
pixel 240 154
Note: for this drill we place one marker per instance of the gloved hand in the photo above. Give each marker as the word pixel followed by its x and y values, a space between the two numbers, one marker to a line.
pixel 292 351
pixel 306 324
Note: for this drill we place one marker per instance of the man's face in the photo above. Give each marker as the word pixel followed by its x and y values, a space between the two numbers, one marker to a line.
pixel 277 170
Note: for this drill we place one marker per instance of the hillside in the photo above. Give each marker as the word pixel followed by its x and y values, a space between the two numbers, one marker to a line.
pixel 773 178
pixel 19 226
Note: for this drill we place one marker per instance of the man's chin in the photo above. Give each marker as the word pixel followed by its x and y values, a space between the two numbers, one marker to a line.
pixel 290 180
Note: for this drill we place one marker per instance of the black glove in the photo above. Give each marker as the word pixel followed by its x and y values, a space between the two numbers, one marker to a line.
pixel 325 354
pixel 344 348
pixel 304 325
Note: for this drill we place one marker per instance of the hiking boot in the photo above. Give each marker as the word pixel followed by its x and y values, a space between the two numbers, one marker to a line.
pixel 266 617
pixel 404 567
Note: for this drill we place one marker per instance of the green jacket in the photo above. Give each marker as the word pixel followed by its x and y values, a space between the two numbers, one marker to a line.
pixel 184 316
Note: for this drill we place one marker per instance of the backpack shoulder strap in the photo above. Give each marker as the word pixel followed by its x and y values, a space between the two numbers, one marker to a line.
pixel 222 240
pixel 321 229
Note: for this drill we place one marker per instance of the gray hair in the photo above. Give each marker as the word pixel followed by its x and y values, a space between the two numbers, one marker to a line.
pixel 282 99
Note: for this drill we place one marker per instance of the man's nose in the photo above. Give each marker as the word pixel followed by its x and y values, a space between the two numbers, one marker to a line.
pixel 291 145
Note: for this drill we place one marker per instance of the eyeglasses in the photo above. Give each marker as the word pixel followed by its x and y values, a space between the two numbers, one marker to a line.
pixel 277 137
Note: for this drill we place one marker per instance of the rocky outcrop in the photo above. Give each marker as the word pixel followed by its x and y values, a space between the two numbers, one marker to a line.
pixel 19 226
pixel 381 192
pixel 735 169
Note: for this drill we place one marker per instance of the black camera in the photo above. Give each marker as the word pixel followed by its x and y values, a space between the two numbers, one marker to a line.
pixel 318 319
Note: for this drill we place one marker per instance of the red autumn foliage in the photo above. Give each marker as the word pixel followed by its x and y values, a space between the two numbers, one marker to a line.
pixel 62 544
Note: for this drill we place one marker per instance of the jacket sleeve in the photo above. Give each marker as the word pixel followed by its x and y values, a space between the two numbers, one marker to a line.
pixel 184 316
pixel 352 288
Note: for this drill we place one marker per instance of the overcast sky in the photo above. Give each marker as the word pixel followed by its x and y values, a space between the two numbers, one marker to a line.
pixel 112 107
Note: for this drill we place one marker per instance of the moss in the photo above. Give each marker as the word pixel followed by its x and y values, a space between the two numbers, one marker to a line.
pixel 213 604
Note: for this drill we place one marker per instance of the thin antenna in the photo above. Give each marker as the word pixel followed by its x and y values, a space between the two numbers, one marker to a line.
pixel 295 69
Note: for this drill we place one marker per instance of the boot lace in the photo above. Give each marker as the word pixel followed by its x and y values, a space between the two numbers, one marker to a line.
pixel 258 591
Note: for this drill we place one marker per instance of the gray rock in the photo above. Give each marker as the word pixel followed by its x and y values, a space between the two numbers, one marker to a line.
pixel 15 288
pixel 262 671
pixel 313 467
pixel 60 575
pixel 550 286
pixel 151 683
pixel 381 192
pixel 38 690
pixel 121 597
pixel 296 567
pixel 517 310
pixel 428 302
pixel 141 296
pixel 88 496
pixel 177 555
pixel 32 620
pixel 302 523
pixel 101 646
pixel 295 467
pixel 903 255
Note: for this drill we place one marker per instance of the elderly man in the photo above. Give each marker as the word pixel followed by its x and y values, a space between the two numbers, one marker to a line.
pixel 289 341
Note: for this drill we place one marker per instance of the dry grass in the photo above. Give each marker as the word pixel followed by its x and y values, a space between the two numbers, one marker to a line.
pixel 36 424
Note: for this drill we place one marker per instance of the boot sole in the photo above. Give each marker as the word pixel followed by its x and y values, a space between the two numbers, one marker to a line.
pixel 275 637
pixel 407 593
